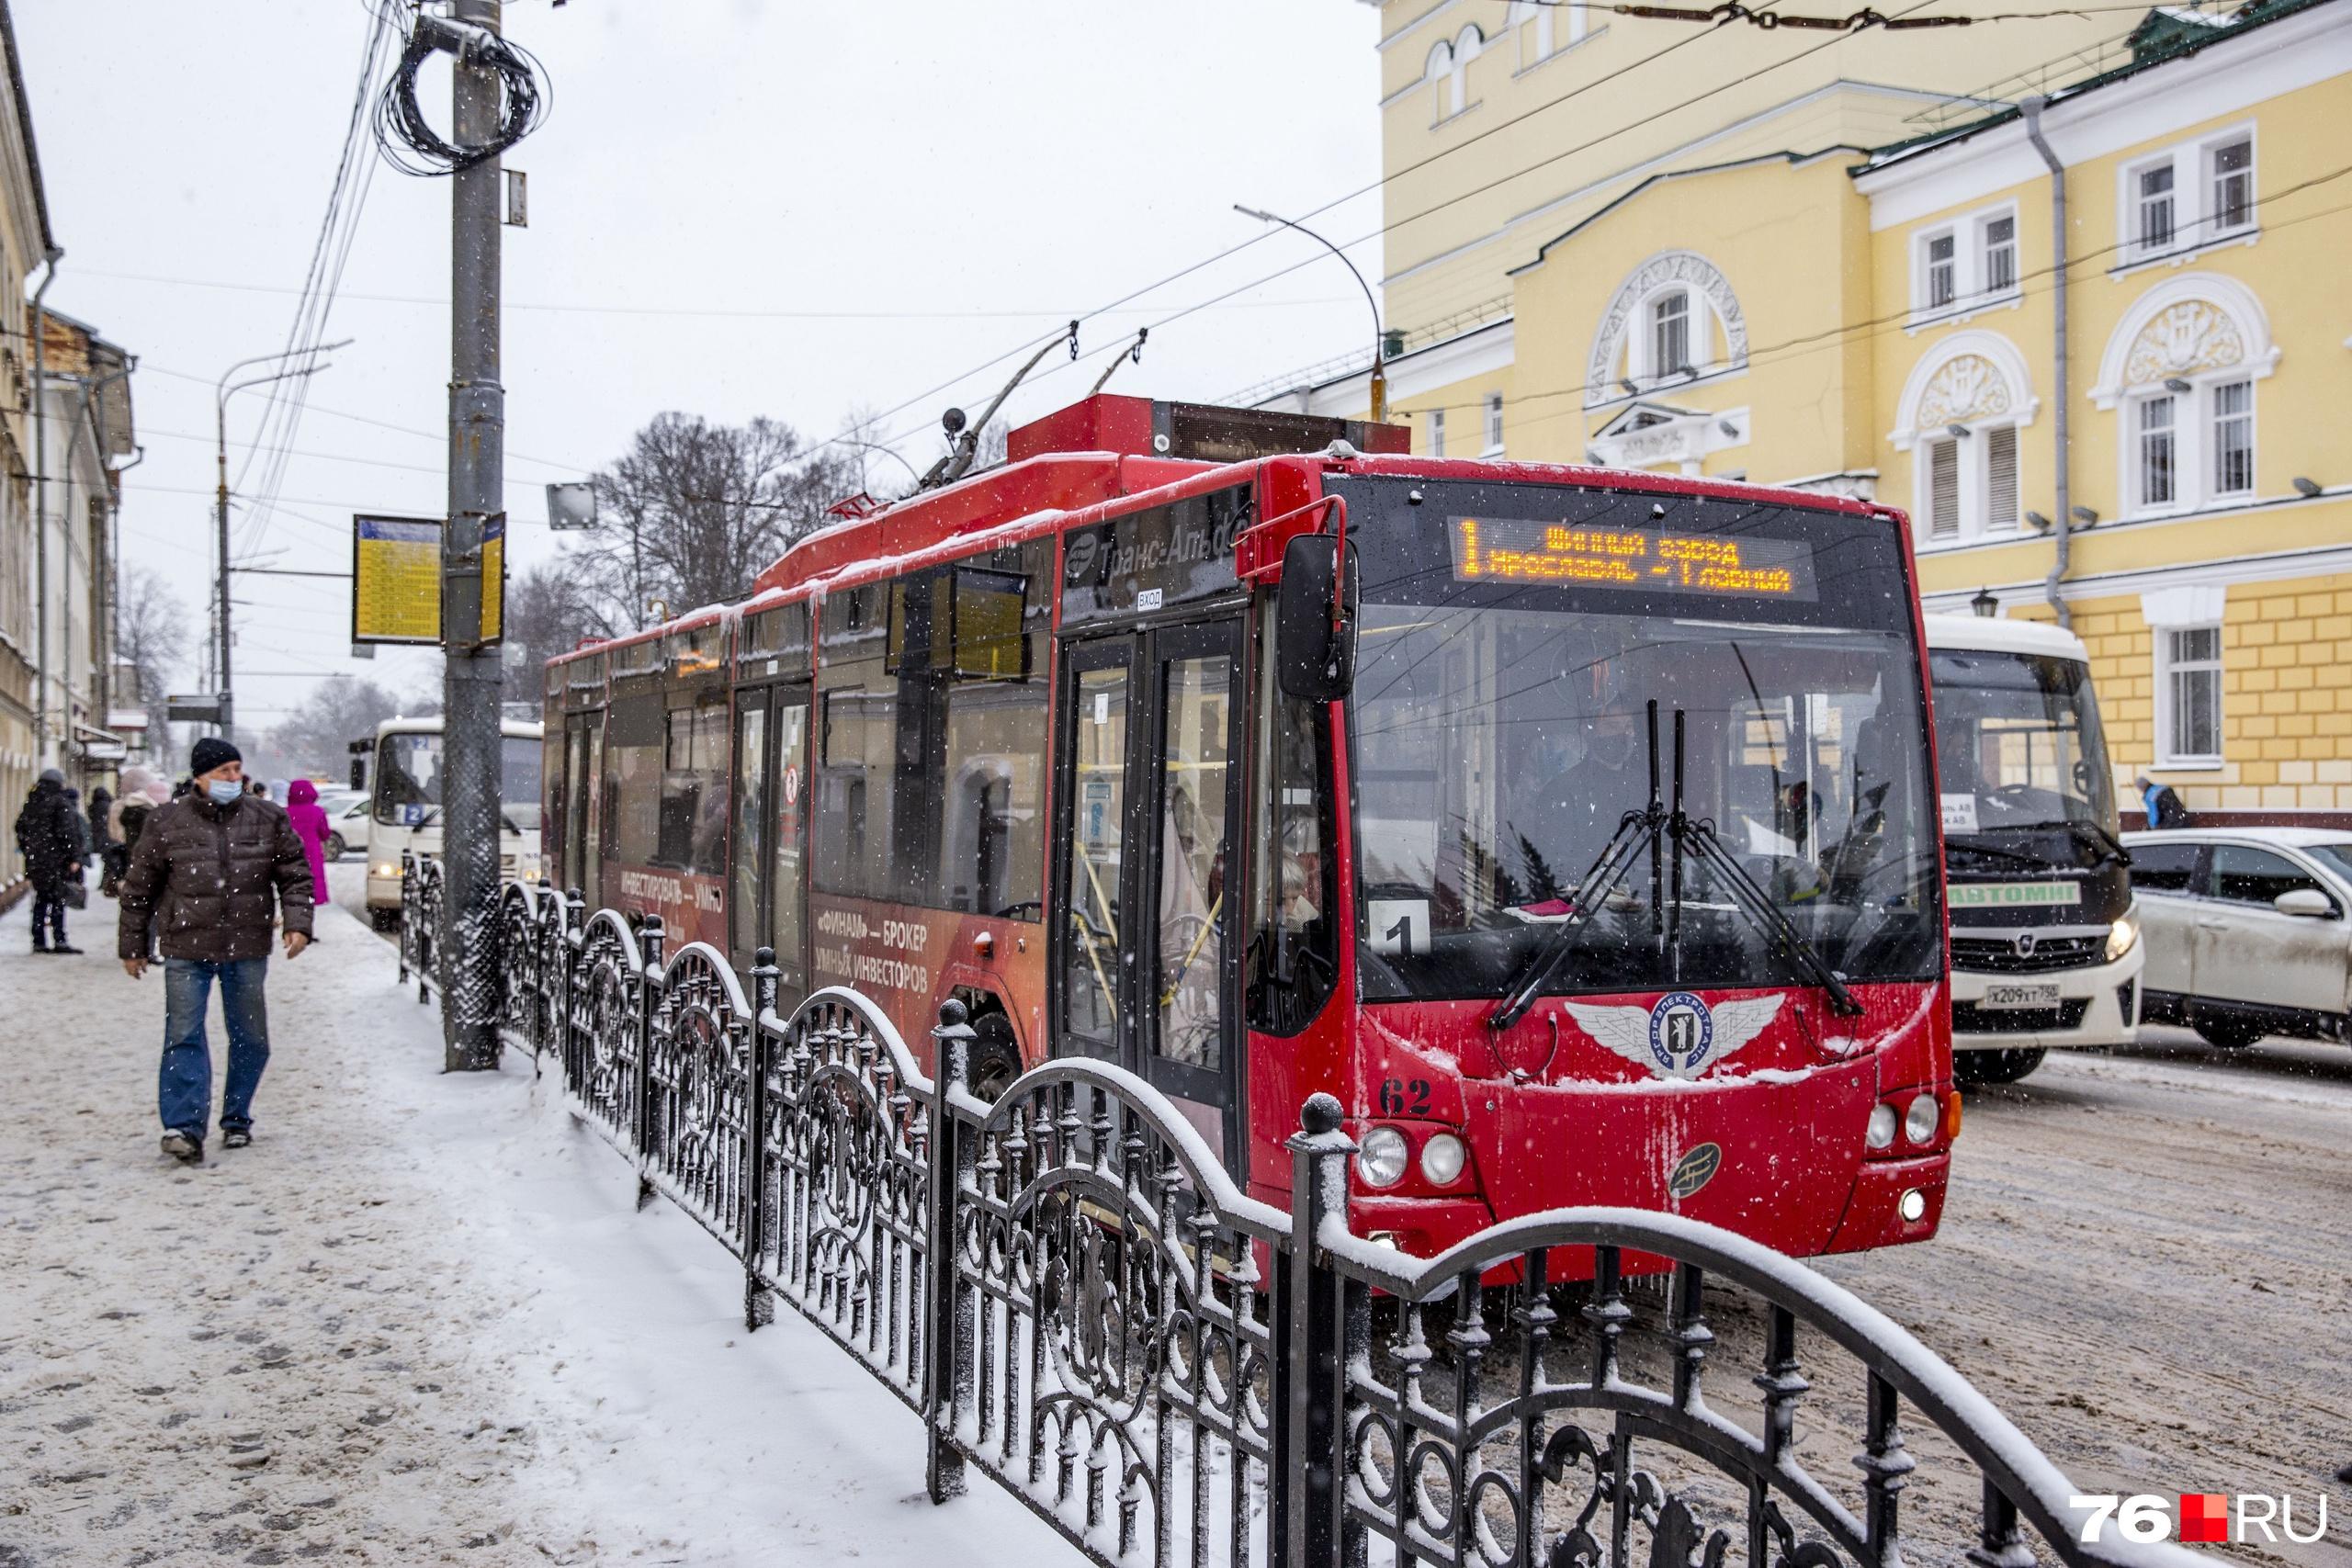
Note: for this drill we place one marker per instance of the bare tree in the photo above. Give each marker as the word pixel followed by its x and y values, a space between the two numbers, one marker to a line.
pixel 315 739
pixel 547 612
pixel 151 638
pixel 695 510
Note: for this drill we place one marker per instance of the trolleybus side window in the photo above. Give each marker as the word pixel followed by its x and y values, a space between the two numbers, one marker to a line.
pixel 633 780
pixel 858 744
pixel 693 830
pixel 1195 767
pixel 991 682
pixel 750 811
pixel 791 796
pixel 1098 819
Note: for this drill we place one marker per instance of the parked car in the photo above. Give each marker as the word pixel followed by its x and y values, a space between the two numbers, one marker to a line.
pixel 348 817
pixel 2248 930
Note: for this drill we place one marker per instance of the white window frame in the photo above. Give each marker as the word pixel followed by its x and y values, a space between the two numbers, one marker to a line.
pixel 1437 433
pixel 2196 213
pixel 1975 476
pixel 2195 453
pixel 1447 73
pixel 1971 290
pixel 2167 668
pixel 1698 336
pixel 1535 26
pixel 1494 425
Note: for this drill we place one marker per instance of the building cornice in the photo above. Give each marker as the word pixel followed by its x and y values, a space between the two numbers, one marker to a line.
pixel 25 128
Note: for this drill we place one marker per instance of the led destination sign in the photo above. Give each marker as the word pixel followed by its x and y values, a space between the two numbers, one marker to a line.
pixel 1528 550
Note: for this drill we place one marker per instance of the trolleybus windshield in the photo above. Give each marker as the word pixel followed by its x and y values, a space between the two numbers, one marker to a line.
pixel 408 779
pixel 2022 763
pixel 1499 731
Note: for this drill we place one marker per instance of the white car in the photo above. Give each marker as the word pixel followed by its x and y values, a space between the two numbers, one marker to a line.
pixel 2248 930
pixel 348 815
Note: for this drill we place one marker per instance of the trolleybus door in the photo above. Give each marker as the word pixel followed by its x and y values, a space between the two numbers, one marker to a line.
pixel 765 888
pixel 1146 967
pixel 585 741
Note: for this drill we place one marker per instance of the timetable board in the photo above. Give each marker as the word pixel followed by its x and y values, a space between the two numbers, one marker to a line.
pixel 396 579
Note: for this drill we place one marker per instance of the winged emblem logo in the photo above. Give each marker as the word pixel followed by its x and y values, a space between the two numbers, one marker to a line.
pixel 1679 1037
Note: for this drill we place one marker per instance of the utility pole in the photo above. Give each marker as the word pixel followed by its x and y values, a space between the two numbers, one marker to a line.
pixel 472 675
pixel 222 390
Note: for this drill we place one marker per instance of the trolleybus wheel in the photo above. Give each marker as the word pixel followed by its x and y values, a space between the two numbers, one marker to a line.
pixel 1995 1067
pixel 996 1059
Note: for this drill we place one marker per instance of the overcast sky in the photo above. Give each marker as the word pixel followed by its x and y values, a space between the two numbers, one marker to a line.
pixel 938 179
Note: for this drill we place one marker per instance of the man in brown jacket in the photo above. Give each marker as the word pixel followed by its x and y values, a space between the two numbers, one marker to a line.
pixel 207 870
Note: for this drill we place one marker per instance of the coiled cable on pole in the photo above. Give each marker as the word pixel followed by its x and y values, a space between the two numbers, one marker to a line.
pixel 408 141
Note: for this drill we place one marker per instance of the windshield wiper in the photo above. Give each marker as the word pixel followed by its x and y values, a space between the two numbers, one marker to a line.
pixel 1757 905
pixel 1969 846
pixel 2109 846
pixel 1599 880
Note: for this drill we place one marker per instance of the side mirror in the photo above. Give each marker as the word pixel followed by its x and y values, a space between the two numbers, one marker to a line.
pixel 1315 620
pixel 2309 903
pixel 359 772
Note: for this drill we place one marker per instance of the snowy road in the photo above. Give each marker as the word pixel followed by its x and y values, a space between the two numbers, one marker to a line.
pixel 419 1320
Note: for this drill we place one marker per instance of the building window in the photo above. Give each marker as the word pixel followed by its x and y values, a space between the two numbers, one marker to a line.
pixel 1943 488
pixel 1670 334
pixel 1951 275
pixel 2000 272
pixel 1494 424
pixel 2001 478
pixel 2189 676
pixel 1448 73
pixel 2158 448
pixel 2233 193
pixel 2233 439
pixel 1969 482
pixel 2190 196
pixel 1943 273
pixel 2156 209
pixel 1437 433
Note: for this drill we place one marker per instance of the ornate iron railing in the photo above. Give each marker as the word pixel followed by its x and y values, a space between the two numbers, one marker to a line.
pixel 1068 1288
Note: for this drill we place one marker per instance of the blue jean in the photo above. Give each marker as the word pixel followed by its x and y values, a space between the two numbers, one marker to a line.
pixel 185 1092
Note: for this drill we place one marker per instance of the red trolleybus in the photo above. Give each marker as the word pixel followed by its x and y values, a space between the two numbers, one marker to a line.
pixel 1574 828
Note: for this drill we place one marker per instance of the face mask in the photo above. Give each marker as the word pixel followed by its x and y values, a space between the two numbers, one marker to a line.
pixel 224 791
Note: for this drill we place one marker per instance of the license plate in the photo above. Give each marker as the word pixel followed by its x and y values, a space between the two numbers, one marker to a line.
pixel 2019 996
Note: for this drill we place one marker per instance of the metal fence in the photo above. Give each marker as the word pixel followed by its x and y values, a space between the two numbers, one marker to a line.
pixel 1068 1289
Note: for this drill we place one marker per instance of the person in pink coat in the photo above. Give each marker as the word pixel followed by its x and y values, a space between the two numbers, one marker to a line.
pixel 310 825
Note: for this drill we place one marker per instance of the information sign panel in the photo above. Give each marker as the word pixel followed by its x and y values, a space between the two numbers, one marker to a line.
pixel 396 579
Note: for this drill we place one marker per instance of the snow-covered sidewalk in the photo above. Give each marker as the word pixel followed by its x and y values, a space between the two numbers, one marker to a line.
pixel 419 1320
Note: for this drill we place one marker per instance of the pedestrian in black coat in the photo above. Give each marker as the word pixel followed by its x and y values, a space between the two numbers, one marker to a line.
pixel 50 835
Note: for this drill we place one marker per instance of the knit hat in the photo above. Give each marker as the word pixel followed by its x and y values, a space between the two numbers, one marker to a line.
pixel 50 775
pixel 209 752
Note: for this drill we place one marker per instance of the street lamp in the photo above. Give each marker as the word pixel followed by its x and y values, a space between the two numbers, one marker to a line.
pixel 1379 364
pixel 1986 605
pixel 222 390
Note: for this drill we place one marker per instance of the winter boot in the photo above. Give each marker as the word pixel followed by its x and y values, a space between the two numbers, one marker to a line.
pixel 235 1138
pixel 184 1147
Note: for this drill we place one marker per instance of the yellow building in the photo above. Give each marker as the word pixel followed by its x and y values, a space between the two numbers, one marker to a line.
pixel 1834 270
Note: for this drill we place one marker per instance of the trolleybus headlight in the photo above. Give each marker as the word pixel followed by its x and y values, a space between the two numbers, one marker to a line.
pixel 2122 934
pixel 1880 1131
pixel 1919 1121
pixel 1382 1159
pixel 1442 1159
pixel 1912 1205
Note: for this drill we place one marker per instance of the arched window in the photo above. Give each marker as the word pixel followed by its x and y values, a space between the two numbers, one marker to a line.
pixel 1962 409
pixel 1448 73
pixel 2179 372
pixel 1674 320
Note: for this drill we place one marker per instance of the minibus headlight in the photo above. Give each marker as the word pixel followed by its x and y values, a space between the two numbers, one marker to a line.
pixel 1919 1121
pixel 1880 1132
pixel 1382 1157
pixel 2122 934
pixel 1912 1206
pixel 1442 1158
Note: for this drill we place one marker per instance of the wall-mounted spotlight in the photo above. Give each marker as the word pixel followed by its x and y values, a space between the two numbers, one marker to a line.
pixel 2036 520
pixel 1959 431
pixel 1630 390
pixel 2175 384
pixel 2310 489
pixel 2085 516
pixel 1728 428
